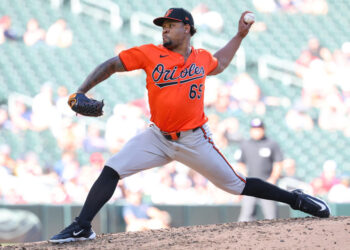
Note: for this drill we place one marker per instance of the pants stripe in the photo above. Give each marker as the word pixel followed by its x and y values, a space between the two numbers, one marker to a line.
pixel 217 150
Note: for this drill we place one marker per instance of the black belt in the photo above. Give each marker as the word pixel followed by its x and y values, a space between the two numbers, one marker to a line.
pixel 173 136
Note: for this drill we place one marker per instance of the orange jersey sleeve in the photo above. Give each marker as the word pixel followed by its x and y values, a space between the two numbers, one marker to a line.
pixel 212 61
pixel 134 58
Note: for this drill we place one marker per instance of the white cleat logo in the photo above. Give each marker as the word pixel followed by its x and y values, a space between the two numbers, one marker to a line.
pixel 75 234
pixel 323 206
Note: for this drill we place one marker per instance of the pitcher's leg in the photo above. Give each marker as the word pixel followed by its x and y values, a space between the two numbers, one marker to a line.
pixel 100 192
pixel 296 199
pixel 142 152
pixel 207 160
pixel 262 189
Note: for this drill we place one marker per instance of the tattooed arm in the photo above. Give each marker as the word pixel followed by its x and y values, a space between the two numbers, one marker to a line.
pixel 101 73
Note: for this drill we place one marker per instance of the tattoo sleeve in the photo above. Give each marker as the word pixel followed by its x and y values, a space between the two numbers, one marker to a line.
pixel 101 73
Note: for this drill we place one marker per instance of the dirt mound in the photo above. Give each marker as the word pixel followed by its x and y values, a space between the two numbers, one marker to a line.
pixel 296 233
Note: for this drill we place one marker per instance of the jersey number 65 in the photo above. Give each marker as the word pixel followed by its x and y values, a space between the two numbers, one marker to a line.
pixel 195 91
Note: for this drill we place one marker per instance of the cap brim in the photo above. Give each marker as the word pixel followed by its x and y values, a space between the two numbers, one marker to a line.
pixel 160 20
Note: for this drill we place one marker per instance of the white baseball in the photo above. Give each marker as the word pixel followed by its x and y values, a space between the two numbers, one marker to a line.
pixel 249 18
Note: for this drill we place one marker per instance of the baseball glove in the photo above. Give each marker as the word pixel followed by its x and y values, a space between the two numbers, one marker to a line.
pixel 83 105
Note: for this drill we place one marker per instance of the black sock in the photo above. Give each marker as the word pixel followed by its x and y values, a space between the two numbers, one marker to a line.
pixel 261 189
pixel 99 194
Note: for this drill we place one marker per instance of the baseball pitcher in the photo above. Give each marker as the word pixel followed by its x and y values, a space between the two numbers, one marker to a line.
pixel 176 74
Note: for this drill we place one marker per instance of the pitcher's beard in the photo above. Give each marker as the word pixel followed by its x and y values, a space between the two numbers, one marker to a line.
pixel 167 44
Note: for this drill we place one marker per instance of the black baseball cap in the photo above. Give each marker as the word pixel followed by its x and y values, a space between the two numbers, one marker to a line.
pixel 176 14
pixel 256 123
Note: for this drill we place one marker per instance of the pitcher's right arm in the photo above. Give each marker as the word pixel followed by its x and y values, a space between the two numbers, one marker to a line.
pixel 101 73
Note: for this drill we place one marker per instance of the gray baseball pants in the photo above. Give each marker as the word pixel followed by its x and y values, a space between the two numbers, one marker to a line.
pixel 194 148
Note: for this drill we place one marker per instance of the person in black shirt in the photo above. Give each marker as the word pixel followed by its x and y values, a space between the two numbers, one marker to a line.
pixel 259 157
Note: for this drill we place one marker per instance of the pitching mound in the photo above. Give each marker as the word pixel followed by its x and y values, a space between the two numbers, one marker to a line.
pixel 297 233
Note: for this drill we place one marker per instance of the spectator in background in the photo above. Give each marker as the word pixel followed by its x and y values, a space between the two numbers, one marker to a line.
pixel 314 47
pixel 94 141
pixel 5 123
pixel 71 136
pixel 59 194
pixel 332 115
pixel 345 48
pixel 265 6
pixel 13 196
pixel 317 84
pixel 311 53
pixel 20 116
pixel 212 91
pixel 44 113
pixel 59 35
pixel 223 101
pixel 82 177
pixel 340 193
pixel 230 130
pixel 287 6
pixel 96 161
pixel 207 19
pixel 6 31
pixel 63 112
pixel 312 57
pixel 165 190
pixel 85 178
pixel 61 102
pixel 303 63
pixel 200 186
pixel 60 164
pixel 327 57
pixel 226 131
pixel 298 119
pixel 259 157
pixel 68 167
pixel 322 184
pixel 34 33
pixel 315 7
pixel 28 165
pixel 125 123
pixel 248 94
pixel 290 181
pixel 185 193
pixel 139 216
pixel 7 164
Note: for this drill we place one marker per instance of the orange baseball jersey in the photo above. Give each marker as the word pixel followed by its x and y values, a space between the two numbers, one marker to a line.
pixel 175 87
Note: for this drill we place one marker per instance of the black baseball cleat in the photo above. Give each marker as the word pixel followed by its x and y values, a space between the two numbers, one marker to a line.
pixel 74 232
pixel 311 205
